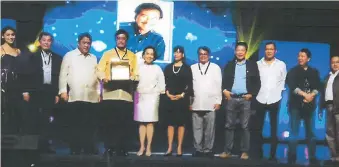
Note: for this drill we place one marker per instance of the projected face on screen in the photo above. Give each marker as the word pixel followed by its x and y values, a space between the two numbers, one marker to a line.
pixel 148 24
pixel 147 19
pixel 161 24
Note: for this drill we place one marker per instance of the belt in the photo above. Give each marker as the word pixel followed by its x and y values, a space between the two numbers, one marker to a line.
pixel 238 95
pixel 329 102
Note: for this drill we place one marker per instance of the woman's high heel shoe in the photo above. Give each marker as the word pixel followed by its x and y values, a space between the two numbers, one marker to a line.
pixel 168 154
pixel 179 154
pixel 141 152
pixel 148 154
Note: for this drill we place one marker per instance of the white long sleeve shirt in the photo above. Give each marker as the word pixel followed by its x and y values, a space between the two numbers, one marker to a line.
pixel 329 86
pixel 206 86
pixel 151 79
pixel 272 77
pixel 79 73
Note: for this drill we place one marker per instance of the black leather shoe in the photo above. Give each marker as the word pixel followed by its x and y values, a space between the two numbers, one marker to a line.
pixel 122 153
pixel 198 154
pixel 273 159
pixel 110 152
pixel 75 152
pixel 179 155
pixel 292 160
pixel 313 161
pixel 209 154
pixel 47 151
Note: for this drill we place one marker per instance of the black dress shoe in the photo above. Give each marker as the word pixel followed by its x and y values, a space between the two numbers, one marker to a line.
pixel 75 152
pixel 91 151
pixel 273 159
pixel 313 161
pixel 47 151
pixel 179 155
pixel 198 154
pixel 209 154
pixel 168 154
pixel 122 153
pixel 110 152
pixel 292 160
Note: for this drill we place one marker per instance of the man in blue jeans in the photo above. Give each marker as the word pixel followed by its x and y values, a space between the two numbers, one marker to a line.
pixel 241 83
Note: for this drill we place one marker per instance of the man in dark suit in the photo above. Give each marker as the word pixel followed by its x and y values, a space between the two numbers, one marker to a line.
pixel 330 101
pixel 42 89
pixel 240 84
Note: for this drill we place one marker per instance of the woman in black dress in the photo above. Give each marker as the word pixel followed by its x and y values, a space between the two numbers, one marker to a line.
pixel 178 78
pixel 9 94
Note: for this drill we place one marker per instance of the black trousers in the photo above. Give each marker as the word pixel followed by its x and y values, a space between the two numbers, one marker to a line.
pixel 10 112
pixel 116 117
pixel 44 103
pixel 81 126
pixel 273 110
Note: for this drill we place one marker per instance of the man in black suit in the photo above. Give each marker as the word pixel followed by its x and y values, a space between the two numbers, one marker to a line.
pixel 240 84
pixel 330 101
pixel 42 89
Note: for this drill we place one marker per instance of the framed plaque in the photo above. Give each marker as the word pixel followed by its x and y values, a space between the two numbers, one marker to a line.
pixel 120 70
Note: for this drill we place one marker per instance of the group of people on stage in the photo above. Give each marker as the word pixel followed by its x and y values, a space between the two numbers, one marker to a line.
pixel 43 79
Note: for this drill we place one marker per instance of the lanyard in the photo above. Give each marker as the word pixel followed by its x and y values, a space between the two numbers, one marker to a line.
pixel 44 57
pixel 205 70
pixel 121 58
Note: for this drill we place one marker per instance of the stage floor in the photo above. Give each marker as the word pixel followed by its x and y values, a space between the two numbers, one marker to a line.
pixel 155 160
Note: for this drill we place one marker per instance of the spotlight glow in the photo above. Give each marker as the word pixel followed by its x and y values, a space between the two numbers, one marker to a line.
pixel 286 134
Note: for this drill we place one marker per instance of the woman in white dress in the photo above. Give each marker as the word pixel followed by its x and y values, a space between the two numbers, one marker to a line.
pixel 146 104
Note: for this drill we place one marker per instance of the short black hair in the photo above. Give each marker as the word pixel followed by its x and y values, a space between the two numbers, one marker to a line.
pixel 307 52
pixel 205 48
pixel 154 52
pixel 144 6
pixel 121 31
pixel 45 34
pixel 271 43
pixel 83 35
pixel 3 31
pixel 244 44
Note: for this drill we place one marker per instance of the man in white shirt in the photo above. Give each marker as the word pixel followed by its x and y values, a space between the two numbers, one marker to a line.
pixel 78 72
pixel 331 103
pixel 272 76
pixel 207 98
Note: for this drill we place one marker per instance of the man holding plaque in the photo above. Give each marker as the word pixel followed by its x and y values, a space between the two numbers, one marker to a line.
pixel 117 69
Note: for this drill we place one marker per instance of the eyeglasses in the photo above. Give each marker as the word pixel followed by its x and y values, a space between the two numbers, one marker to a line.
pixel 203 54
pixel 121 38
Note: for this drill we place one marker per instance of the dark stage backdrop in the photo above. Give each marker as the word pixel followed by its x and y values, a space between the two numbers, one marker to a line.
pixel 215 24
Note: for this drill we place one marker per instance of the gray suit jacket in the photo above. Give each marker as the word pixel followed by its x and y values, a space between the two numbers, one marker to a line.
pixel 335 93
